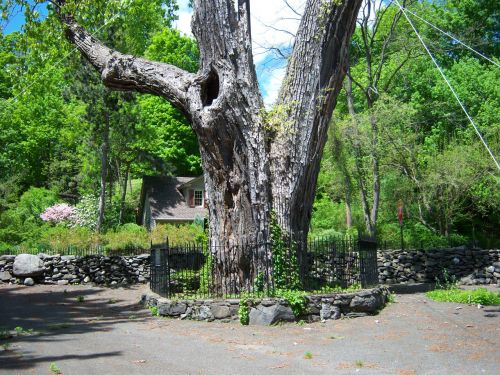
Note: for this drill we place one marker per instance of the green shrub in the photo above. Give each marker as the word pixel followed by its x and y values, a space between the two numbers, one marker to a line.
pixel 178 234
pixel 60 238
pixel 244 311
pixel 126 237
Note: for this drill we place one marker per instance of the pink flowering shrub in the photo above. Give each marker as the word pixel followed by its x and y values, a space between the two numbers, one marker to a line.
pixel 59 213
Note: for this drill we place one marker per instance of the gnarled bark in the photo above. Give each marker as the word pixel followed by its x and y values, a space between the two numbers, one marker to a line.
pixel 250 168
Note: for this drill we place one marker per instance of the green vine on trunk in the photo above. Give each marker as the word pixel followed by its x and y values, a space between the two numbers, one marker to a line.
pixel 284 258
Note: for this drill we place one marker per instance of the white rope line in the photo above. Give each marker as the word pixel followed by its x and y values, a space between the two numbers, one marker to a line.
pixel 449 85
pixel 11 100
pixel 451 36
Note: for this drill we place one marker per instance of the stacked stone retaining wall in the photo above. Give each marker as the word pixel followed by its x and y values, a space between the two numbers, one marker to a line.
pixel 70 269
pixel 267 311
pixel 470 266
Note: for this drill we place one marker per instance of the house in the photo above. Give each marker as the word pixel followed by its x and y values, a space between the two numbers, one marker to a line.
pixel 172 200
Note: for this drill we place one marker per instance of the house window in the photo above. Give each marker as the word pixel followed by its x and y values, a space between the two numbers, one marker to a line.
pixel 198 198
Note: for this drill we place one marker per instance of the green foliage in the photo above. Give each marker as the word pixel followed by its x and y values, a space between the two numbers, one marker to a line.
pixel 178 234
pixel 126 237
pixel 55 369
pixel 295 298
pixel 477 296
pixel 154 310
pixel 244 311
pixel 60 238
pixel 80 299
pixel 308 355
pixel 284 259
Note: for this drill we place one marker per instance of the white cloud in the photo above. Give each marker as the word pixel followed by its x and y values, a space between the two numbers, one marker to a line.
pixel 267 18
pixel 183 24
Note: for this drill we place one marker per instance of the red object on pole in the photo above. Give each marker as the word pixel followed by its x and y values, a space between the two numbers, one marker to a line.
pixel 400 212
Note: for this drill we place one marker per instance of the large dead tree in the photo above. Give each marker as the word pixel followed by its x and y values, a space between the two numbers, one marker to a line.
pixel 254 161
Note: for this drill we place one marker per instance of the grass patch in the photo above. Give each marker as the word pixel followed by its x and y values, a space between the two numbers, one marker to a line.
pixel 481 296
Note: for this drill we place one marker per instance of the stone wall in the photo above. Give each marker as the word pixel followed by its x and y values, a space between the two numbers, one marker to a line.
pixel 70 269
pixel 267 311
pixel 471 266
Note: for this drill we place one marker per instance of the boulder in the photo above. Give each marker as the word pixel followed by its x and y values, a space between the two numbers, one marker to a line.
pixel 171 308
pixel 367 303
pixel 329 311
pixel 5 276
pixel 27 265
pixel 268 315
pixel 220 311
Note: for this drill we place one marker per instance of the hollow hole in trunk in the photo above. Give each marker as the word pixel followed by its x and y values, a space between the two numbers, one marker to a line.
pixel 210 89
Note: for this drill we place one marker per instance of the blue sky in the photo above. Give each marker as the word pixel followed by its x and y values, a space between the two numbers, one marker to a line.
pixel 16 18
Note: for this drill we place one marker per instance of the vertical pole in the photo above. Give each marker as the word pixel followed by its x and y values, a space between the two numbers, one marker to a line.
pixel 402 239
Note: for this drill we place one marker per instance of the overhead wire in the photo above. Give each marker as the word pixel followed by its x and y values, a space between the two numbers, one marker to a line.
pixel 478 132
pixel 451 36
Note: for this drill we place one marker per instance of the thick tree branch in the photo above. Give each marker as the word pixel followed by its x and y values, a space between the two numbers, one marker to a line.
pixel 126 72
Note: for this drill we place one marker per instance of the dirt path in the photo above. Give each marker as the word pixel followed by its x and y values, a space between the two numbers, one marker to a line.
pixel 109 333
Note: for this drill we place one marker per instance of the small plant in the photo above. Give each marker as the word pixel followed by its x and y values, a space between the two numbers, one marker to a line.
pixel 359 364
pixel 58 326
pixel 20 330
pixel 244 311
pixel 112 300
pixel 391 297
pixel 132 317
pixel 80 299
pixel 301 322
pixel 308 355
pixel 335 337
pixel 447 281
pixel 55 369
pixel 154 310
pixel 295 298
pixel 5 334
pixel 6 346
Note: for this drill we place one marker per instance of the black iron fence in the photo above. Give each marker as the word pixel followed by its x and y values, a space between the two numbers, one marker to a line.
pixel 73 250
pixel 262 268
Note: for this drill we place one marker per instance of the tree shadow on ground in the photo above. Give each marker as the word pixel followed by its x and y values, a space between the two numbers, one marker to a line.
pixel 54 318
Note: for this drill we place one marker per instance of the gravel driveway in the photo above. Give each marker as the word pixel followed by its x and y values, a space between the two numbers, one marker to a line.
pixel 105 331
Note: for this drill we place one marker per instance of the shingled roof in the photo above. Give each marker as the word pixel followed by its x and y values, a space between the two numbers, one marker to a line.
pixel 166 200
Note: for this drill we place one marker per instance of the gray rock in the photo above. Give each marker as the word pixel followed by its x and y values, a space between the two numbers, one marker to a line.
pixel 62 282
pixel 5 276
pixel 490 269
pixel 202 312
pixel 264 316
pixel 220 311
pixel 29 281
pixel 329 312
pixel 171 308
pixel 367 303
pixel 141 279
pixel 27 265
pixel 86 279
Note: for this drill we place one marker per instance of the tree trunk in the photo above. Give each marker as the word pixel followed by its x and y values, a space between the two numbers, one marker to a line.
pixel 124 193
pixel 104 172
pixel 253 162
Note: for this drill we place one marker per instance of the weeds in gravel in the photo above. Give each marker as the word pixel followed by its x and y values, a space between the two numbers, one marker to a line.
pixel 359 364
pixel 55 369
pixel 80 299
pixel 154 310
